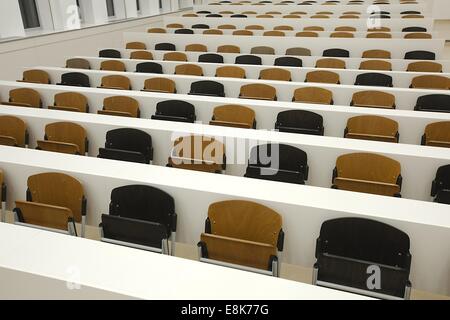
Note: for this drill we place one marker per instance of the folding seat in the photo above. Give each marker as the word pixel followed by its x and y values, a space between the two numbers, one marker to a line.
pixel 433 103
pixel 112 65
pixel 129 145
pixel 162 30
pixel 418 35
pixel 207 88
pixel 141 217
pixel 122 106
pixel 214 15
pixel 424 66
pixel 278 162
pixel 78 63
pixel 248 59
pixel 70 101
pixel 349 16
pixel 24 97
pixel 413 16
pixel 186 154
pixel 254 27
pixel 230 72
pixel 13 132
pixel 410 12
pixel 336 53
pixel 242 33
pixel 300 121
pixel 343 258
pixel 184 31
pixel 173 25
pixel 149 67
pixel 36 76
pixel 297 51
pixel 322 77
pixel 226 27
pixel 75 79
pixel 55 201
pixel 195 47
pixel 414 29
pixel 136 46
pixel 288 62
pixel 213 31
pixel 258 91
pixel 373 79
pixel 204 12
pixel 379 35
pixel 437 134
pixel 375 65
pixel 345 29
pixel 210 58
pixel 175 56
pixel 331 63
pixel 372 128
pixel 189 69
pixel 175 110
pixel 165 46
pixel 200 26
pixel 314 28
pixel 116 82
pixel 313 95
pixel 276 74
pixel 262 50
pixel 342 34
pixel 431 82
pixel 192 15
pixel 319 16
pixel 228 49
pixel 160 85
pixel 265 16
pixel 64 137
pixel 238 16
pixel 307 34
pixel 440 188
pixel 376 54
pixel 292 16
pixel 368 173
pixel 244 235
pixel 232 115
pixel 110 53
pixel 420 55
pixel 283 28
pixel 373 99
pixel 141 55
pixel 274 33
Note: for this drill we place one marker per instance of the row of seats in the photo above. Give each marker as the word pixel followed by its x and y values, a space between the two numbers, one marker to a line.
pixel 303 13
pixel 308 2
pixel 324 15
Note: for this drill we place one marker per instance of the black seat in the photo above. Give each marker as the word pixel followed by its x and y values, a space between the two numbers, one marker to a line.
pixel 149 67
pixel 129 145
pixel 300 121
pixel 207 88
pixel 165 46
pixel 348 249
pixel 420 55
pixel 379 16
pixel 75 79
pixel 410 12
pixel 210 58
pixel 288 62
pixel 110 53
pixel 379 12
pixel 203 12
pixel 440 188
pixel 214 15
pixel 175 110
pixel 278 162
pixel 200 26
pixel 336 53
pixel 238 16
pixel 184 31
pixel 433 103
pixel 414 29
pixel 248 59
pixel 373 79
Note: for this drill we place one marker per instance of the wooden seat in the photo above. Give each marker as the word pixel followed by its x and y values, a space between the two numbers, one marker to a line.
pixel 254 27
pixel 213 32
pixel 13 132
pixel 368 173
pixel 78 63
pixel 265 16
pixel 332 63
pixel 319 16
pixel 116 82
pixel 175 56
pixel 36 76
pixel 112 65
pixel 258 91
pixel 424 66
pixel 141 55
pixel 342 34
pixel 230 72
pixel 345 28
pixel 64 137
pixel 70 101
pixel 283 28
pixel 431 82
pixel 120 106
pixel 437 134
pixel 375 65
pixel 292 16
pixel 349 16
pixel 162 30
pixel 226 27
pixel 412 16
pixel 195 47
pixel 373 99
pixel 160 85
pixel 234 116
pixel 379 35
pixel 418 35
pixel 136 46
pixel 192 15
pixel 171 26
pixel 242 33
pixel 24 97
pixel 189 69
pixel 228 49
pixel 277 74
pixel 274 33
pixel 322 77
pixel 313 95
pixel 379 29
pixel 198 153
pixel 372 128
pixel 307 34
pixel 314 28
pixel 376 54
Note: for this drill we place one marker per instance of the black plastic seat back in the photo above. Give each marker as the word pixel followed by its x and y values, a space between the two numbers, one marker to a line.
pixel 184 31
pixel 414 29
pixel 214 15
pixel 300 121
pixel 75 79
pixel 410 12
pixel 340 53
pixel 238 16
pixel 210 58
pixel 203 12
pixel 149 67
pixel 200 26
pixel 207 88
pixel 288 62
pixel 175 110
pixel 380 16
pixel 133 231
pixel 129 139
pixel 420 55
pixel 373 79
pixel 165 46
pixel 248 59
pixel 441 185
pixel 110 53
pixel 122 155
pixel 433 102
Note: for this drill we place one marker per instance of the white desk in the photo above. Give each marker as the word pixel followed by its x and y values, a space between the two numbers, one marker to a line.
pixel 303 208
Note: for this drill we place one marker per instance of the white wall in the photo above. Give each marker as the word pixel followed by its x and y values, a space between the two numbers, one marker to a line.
pixel 10 19
pixel 441 9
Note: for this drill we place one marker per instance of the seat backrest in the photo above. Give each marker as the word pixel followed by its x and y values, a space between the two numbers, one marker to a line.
pixel 226 27
pixel 195 47
pixel 313 28
pixel 228 49
pixel 78 63
pixel 141 55
pixel 275 74
pixel 200 26
pixel 57 189
pixel 376 54
pixel 160 85
pixel 242 33
pixel 174 25
pixel 336 53
pixel 72 100
pixel 175 56
pixel 162 30
pixel 36 76
pixel 116 82
pixel 112 65
pixel 375 65
pixel 230 72
pixel 213 31
pixel 379 29
pixel 248 59
pixel 443 177
pixel 330 63
pixel 110 53
pixel 262 50
pixel 288 62
pixel 122 104
pixel 438 133
pixel 375 126
pixel 297 51
pixel 379 35
pixel 212 151
pixel 431 82
pixel 307 34
pixel 184 31
pixel 136 45
pixel 424 66
pixel 418 35
pixel 234 114
pixel 420 55
pixel 42 215
pixel 373 79
pixel 345 28
pixel 26 97
pixel 373 99
pixel 283 28
pixel 13 129
pixel 278 156
pixel 322 77
pixel 210 58
pixel 433 102
pixel 67 132
pixel 76 79
pixel 301 119
pixel 414 29
pixel 149 67
pixel 342 34
pixel 207 87
pixel 313 95
pixel 130 140
pixel 176 108
pixel 274 33
pixel 245 220
pixel 165 46
pixel 258 91
pixel 189 69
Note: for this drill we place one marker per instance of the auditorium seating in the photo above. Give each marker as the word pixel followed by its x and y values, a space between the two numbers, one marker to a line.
pixel 175 110
pixel 372 128
pixel 24 97
pixel 300 121
pixel 122 106
pixel 437 134
pixel 13 132
pixel 65 137
pixel 440 188
pixel 234 116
